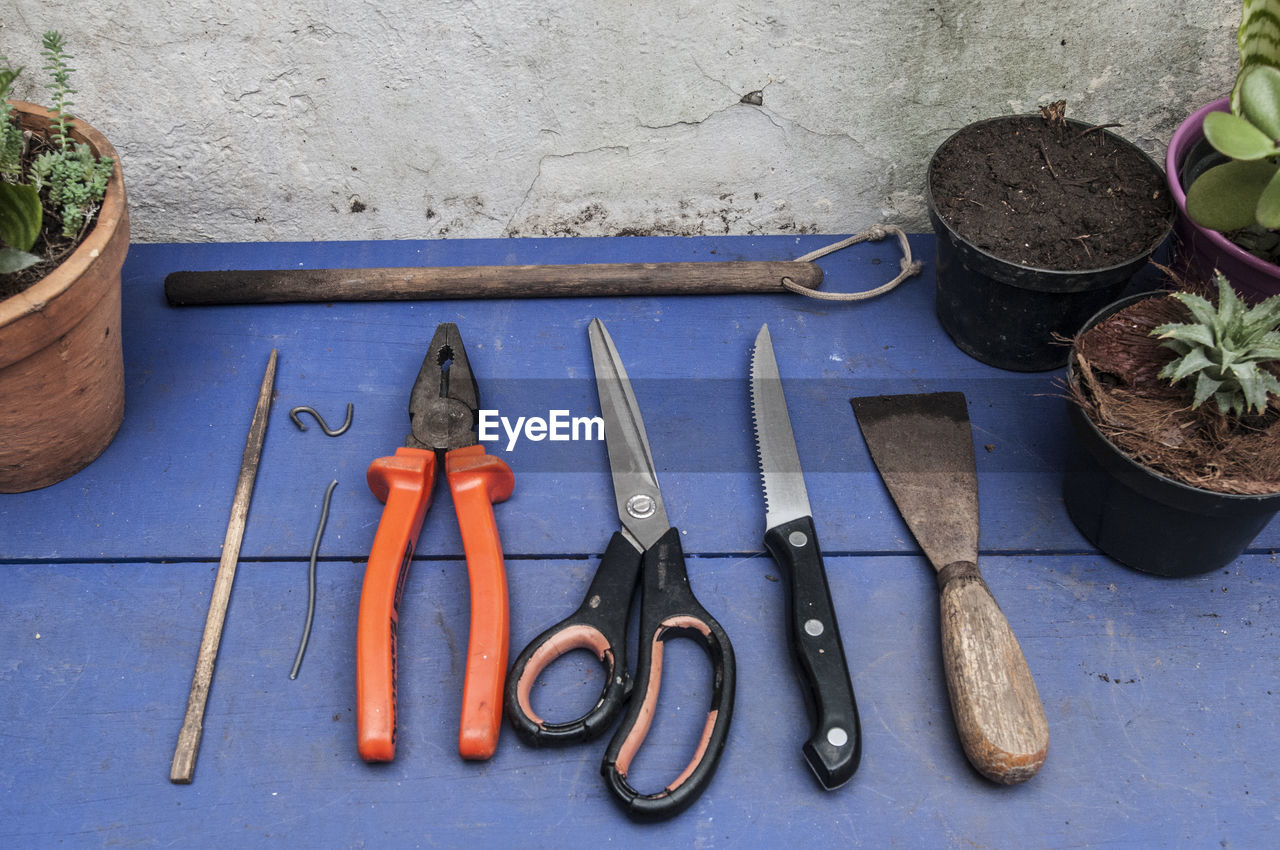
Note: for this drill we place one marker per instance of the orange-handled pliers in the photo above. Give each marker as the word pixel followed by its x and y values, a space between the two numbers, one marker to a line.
pixel 443 409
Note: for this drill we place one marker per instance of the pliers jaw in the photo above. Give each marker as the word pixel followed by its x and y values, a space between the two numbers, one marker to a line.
pixel 445 402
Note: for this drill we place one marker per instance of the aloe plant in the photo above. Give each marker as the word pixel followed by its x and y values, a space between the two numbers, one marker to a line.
pixel 1225 350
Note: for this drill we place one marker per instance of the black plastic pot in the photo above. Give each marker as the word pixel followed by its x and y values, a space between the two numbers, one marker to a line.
pixel 1008 315
pixel 1148 521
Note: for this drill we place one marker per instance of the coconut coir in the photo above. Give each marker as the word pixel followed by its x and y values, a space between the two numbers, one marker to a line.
pixel 1115 380
pixel 1049 194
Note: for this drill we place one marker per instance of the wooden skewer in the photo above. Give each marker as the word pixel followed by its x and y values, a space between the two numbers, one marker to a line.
pixel 184 756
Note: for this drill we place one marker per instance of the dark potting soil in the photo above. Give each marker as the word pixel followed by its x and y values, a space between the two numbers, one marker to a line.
pixel 1117 362
pixel 52 247
pixel 1049 194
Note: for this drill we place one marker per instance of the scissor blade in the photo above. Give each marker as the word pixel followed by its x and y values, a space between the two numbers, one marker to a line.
pixel 785 497
pixel 635 481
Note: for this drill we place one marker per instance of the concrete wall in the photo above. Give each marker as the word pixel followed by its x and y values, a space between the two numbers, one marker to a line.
pixel 383 119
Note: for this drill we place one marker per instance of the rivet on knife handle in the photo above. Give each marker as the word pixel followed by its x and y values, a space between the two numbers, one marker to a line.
pixel 997 709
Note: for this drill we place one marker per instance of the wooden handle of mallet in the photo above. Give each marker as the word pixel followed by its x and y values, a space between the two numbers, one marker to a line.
pixel 275 286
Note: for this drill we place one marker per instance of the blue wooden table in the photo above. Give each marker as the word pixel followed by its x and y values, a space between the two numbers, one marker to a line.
pixel 1161 695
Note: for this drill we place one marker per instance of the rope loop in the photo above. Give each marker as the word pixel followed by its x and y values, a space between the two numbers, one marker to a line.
pixel 908 267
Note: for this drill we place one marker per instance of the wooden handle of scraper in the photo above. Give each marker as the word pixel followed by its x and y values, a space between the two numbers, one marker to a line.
pixel 273 286
pixel 994 700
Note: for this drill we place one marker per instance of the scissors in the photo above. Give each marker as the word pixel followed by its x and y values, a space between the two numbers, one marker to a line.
pixel 647 551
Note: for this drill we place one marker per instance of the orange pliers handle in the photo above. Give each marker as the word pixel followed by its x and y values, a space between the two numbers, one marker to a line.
pixel 404 483
pixel 478 481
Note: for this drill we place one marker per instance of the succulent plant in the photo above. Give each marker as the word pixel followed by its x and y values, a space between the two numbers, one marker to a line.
pixel 1245 192
pixel 1257 41
pixel 64 184
pixel 1225 349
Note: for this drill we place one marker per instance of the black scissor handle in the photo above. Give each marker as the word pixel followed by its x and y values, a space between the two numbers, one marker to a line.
pixel 669 610
pixel 599 625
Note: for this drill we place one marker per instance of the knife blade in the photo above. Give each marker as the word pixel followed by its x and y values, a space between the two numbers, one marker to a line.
pixel 834 747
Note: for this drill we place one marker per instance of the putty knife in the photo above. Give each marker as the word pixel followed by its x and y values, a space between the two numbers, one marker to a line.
pixel 923 447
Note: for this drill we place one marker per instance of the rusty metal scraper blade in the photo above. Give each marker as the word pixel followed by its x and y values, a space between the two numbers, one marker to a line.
pixel 923 447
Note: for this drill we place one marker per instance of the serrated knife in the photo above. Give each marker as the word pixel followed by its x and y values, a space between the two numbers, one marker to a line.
pixel 834 747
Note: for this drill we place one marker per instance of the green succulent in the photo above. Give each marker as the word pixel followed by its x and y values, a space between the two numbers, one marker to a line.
pixel 10 132
pixel 20 209
pixel 65 183
pixel 1236 194
pixel 1245 192
pixel 1257 41
pixel 1224 349
pixel 76 180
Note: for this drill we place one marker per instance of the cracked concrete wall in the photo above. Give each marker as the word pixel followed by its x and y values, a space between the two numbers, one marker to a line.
pixel 385 119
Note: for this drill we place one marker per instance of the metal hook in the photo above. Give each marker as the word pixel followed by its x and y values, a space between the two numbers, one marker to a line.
pixel 293 414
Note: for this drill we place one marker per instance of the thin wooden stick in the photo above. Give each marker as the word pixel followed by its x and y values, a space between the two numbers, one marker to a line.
pixel 184 756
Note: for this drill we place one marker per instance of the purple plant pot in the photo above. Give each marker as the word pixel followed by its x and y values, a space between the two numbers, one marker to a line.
pixel 1200 250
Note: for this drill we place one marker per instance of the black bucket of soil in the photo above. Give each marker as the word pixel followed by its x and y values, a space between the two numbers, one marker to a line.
pixel 1144 518
pixel 1040 222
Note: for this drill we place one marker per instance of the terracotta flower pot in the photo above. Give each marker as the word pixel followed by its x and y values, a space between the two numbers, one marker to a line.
pixel 1200 250
pixel 61 362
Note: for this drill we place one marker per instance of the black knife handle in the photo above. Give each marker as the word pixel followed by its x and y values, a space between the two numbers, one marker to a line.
pixel 834 747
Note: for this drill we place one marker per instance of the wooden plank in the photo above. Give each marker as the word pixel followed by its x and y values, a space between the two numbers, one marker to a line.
pixel 146 496
pixel 1156 692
